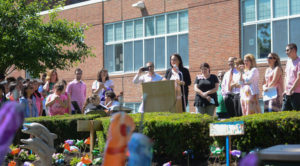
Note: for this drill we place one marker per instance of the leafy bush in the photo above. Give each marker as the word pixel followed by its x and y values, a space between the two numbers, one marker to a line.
pixel 171 133
pixel 268 129
pixel 74 161
pixel 174 133
pixel 64 126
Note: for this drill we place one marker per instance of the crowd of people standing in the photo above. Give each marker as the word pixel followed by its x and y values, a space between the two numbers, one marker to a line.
pixel 227 94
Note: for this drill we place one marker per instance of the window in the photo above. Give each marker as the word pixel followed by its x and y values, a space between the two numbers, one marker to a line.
pixel 130 44
pixel 269 25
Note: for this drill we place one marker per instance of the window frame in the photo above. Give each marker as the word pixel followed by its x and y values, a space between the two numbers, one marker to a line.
pixel 144 38
pixel 270 20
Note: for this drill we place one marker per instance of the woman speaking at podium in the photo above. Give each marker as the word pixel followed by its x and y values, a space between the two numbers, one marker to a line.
pixel 182 78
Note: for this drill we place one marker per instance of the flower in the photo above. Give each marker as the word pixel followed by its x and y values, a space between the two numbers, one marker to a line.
pixel 15 151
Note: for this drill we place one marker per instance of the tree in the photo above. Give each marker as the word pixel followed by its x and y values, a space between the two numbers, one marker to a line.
pixel 31 42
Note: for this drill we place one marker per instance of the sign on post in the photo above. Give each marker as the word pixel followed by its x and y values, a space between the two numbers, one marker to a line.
pixel 92 126
pixel 227 129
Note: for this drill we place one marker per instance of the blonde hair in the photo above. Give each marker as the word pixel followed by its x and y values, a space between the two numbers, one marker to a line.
pixel 49 73
pixel 251 58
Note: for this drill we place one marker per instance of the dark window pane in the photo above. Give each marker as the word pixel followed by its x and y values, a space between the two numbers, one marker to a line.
pixel 184 48
pixel 295 32
pixel 263 40
pixel 118 57
pixel 128 57
pixel 264 11
pixel 160 53
pixel 109 58
pixel 149 26
pixel 248 10
pixel 138 54
pixel 171 47
pixel 280 8
pixel 149 50
pixel 249 43
pixel 280 37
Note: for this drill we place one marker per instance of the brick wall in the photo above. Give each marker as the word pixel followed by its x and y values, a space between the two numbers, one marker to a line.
pixel 214 35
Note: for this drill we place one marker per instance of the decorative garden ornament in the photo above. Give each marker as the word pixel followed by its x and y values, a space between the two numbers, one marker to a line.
pixel 119 133
pixel 42 142
pixel 11 118
pixel 140 150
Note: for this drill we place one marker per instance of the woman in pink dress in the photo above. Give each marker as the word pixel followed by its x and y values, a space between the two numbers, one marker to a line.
pixel 249 86
pixel 273 79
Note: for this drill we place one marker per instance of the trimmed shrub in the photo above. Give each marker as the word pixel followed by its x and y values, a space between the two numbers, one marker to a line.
pixel 171 133
pixel 64 126
pixel 268 129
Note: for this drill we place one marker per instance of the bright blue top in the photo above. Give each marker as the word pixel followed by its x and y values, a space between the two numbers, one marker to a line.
pixel 34 111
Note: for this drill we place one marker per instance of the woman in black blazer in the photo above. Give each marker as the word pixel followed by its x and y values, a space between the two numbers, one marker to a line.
pixel 181 75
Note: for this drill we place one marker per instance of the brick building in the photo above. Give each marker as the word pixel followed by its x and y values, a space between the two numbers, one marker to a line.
pixel 124 38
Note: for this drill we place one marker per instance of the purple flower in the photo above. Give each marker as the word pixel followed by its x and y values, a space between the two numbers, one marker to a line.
pixel 249 160
pixel 236 153
pixel 70 142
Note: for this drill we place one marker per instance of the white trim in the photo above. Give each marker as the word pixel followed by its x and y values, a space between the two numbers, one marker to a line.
pixel 67 7
pixel 264 60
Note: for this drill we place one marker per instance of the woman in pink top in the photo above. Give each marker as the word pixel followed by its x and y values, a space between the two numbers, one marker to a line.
pixel 249 86
pixel 55 104
pixel 38 97
pixel 273 78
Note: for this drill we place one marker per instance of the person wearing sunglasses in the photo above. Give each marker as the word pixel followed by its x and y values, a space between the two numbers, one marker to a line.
pixel 273 79
pixel 28 100
pixel 146 74
pixel 291 99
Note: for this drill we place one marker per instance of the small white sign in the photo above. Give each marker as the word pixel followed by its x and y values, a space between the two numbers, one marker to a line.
pixel 226 128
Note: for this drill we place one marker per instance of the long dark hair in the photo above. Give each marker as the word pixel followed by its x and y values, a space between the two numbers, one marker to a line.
pixel 25 87
pixel 36 92
pixel 179 59
pixel 99 75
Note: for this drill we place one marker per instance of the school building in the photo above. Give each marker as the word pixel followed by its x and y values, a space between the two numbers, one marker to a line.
pixel 125 34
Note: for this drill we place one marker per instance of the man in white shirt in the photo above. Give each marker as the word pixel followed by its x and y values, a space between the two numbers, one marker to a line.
pixel 231 90
pixel 149 76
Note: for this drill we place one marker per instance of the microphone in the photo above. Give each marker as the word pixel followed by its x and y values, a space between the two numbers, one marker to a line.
pixel 177 69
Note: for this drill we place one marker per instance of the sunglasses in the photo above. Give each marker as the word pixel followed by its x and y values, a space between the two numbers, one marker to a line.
pixel 288 50
pixel 271 58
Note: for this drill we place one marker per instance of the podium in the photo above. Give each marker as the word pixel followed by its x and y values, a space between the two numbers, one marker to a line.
pixel 161 96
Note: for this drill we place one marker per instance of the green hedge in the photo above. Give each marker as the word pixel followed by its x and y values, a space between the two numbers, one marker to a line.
pixel 174 133
pixel 268 129
pixel 64 126
pixel 171 133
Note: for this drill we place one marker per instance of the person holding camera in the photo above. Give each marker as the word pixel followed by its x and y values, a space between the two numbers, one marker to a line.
pixel 146 74
pixel 149 76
